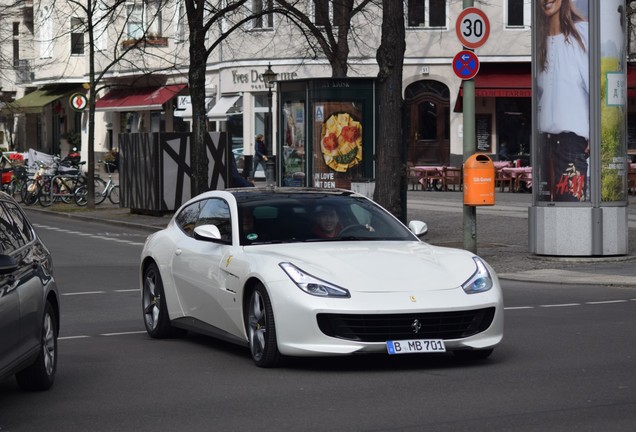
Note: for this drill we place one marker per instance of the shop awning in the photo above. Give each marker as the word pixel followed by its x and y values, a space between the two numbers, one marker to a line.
pixel 187 111
pixel 496 80
pixel 223 105
pixel 34 102
pixel 138 99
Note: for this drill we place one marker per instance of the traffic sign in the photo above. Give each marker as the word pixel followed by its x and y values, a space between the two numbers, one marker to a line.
pixel 78 101
pixel 472 27
pixel 466 65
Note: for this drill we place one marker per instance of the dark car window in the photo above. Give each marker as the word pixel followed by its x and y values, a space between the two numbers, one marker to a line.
pixel 294 217
pixel 15 231
pixel 216 212
pixel 187 217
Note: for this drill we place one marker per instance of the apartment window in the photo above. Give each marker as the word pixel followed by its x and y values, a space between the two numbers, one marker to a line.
pixel 426 13
pixel 518 13
pixel 264 21
pixel 100 26
pixel 144 18
pixel 46 32
pixel 330 11
pixel 182 22
pixel 16 44
pixel 77 36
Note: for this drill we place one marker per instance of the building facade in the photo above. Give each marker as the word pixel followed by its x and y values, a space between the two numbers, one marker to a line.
pixel 141 58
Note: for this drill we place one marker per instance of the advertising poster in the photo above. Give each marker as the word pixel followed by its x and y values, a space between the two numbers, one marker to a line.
pixel 613 100
pixel 337 143
pixel 563 97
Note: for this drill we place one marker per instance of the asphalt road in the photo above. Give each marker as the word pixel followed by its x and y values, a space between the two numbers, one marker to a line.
pixel 566 363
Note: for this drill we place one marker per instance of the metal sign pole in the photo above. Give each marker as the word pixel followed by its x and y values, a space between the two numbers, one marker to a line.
pixel 469 147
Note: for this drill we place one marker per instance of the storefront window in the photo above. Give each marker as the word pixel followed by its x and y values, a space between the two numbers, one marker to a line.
pixel 293 157
pixel 129 122
pixel 157 121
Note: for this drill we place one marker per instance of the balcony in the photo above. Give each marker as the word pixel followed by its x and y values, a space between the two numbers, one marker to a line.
pixel 147 41
pixel 23 72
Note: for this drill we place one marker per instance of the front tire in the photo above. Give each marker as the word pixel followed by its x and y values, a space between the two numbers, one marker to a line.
pixel 30 192
pixel 155 310
pixel 100 190
pixel 41 374
pixel 113 196
pixel 261 329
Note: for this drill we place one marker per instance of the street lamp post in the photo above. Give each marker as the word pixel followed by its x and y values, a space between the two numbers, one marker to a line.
pixel 269 78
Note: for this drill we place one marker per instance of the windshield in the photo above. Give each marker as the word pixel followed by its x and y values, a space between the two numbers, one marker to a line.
pixel 284 218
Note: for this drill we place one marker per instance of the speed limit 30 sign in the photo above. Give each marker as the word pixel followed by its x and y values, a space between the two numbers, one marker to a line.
pixel 472 28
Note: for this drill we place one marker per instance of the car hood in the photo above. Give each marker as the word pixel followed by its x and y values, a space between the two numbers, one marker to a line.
pixel 380 266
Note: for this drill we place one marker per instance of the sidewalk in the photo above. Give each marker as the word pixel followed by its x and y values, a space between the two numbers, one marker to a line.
pixel 502 236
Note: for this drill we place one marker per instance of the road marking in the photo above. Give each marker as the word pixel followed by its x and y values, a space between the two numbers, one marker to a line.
pixel 83 234
pixel 128 290
pixel 84 293
pixel 606 302
pixel 560 305
pixel 591 303
pixel 73 337
pixel 123 333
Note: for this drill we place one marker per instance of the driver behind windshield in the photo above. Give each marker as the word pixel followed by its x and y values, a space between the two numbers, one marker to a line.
pixel 326 222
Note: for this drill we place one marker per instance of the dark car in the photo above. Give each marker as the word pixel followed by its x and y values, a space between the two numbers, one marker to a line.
pixel 29 302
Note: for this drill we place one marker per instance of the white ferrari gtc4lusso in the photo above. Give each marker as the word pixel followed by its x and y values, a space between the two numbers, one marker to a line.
pixel 314 272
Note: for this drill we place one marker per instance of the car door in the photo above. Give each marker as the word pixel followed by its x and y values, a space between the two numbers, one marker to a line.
pixel 31 278
pixel 9 314
pixel 196 269
pixel 13 339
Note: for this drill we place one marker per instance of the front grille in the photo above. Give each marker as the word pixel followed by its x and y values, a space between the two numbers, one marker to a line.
pixel 383 327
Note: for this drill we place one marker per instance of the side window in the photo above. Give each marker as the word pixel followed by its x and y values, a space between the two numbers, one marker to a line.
pixel 15 231
pixel 187 218
pixel 217 212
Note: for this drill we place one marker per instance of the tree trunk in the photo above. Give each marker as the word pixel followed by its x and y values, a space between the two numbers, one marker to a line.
pixel 389 158
pixel 196 80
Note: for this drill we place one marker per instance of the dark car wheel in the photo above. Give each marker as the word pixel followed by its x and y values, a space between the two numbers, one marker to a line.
pixel 261 330
pixel 41 374
pixel 156 318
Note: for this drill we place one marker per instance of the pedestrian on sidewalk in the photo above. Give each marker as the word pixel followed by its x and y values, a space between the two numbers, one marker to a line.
pixel 260 153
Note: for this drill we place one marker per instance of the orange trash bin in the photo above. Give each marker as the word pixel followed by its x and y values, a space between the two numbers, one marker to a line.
pixel 479 181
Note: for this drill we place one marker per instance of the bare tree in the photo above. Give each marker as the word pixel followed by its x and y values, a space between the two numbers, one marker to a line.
pixel 390 148
pixel 97 17
pixel 202 17
pixel 331 37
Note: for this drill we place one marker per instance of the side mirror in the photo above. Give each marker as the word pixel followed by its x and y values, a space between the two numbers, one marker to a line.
pixel 418 228
pixel 8 264
pixel 207 232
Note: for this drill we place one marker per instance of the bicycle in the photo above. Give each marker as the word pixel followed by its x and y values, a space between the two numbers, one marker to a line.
pixel 110 190
pixel 19 181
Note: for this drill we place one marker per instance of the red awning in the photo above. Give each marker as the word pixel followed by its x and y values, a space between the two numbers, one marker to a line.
pixel 501 80
pixel 138 99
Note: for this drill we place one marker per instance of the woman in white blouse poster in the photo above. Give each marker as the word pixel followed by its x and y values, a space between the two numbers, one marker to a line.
pixel 563 101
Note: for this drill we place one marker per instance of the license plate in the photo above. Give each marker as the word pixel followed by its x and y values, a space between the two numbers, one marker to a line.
pixel 415 346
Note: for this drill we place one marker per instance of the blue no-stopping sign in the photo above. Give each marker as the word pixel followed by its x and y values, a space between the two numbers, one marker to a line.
pixel 465 65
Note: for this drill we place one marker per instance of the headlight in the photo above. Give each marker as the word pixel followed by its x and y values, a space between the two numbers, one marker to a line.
pixel 480 281
pixel 312 285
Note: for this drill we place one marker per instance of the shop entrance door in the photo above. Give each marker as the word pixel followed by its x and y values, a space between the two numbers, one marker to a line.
pixel 428 105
